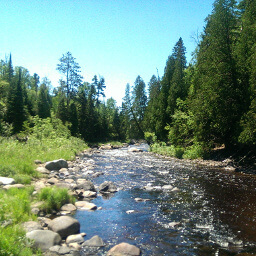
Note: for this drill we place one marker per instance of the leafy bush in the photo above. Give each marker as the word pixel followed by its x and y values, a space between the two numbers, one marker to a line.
pixel 54 198
pixel 194 152
pixel 14 243
pixel 150 137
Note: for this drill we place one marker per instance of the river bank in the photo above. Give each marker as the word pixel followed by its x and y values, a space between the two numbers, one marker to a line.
pixel 160 204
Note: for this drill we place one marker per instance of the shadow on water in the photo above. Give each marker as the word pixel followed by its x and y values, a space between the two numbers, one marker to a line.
pixel 211 213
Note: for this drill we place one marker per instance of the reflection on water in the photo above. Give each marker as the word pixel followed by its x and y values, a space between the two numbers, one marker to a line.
pixel 212 213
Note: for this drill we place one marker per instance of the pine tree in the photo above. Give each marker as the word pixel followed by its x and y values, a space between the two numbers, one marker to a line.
pixel 177 82
pixel 15 106
pixel 70 69
pixel 151 113
pixel 43 102
pixel 73 119
pixel 10 69
pixel 62 110
pixel 246 55
pixel 218 99
pixel 139 103
pixel 82 112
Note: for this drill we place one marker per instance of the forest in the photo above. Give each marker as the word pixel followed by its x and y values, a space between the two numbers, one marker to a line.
pixel 194 107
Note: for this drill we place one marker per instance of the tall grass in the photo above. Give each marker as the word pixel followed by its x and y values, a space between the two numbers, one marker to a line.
pixel 15 209
pixel 54 198
pixel 48 139
pixel 17 159
pixel 192 152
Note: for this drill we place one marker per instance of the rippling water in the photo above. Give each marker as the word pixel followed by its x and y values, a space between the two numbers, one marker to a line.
pixel 212 212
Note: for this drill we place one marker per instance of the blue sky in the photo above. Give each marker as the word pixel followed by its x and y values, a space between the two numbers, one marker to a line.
pixel 117 39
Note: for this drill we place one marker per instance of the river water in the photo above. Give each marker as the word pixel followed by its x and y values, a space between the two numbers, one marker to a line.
pixel 212 212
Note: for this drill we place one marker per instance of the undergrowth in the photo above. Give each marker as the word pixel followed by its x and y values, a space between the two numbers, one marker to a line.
pixel 54 198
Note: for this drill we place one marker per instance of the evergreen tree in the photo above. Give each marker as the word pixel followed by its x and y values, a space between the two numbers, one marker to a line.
pixel 82 114
pixel 73 119
pixel 70 69
pixel 15 105
pixel 177 82
pixel 10 69
pixel 151 113
pixel 43 102
pixel 218 98
pixel 246 54
pixel 138 107
pixel 125 114
pixel 35 83
pixel 62 110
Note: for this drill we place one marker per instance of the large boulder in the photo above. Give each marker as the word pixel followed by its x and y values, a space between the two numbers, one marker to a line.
pixel 64 226
pixel 75 239
pixel 6 181
pixel 124 249
pixel 43 239
pixel 31 225
pixel 107 187
pixel 56 165
pixel 86 185
pixel 95 241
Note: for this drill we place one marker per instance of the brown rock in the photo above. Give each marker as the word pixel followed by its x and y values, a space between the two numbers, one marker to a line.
pixel 124 249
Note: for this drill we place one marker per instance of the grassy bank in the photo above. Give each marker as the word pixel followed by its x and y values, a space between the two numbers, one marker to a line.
pixel 193 152
pixel 47 140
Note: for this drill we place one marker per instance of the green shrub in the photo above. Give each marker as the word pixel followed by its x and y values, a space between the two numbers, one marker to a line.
pixel 194 152
pixel 150 137
pixel 54 198
pixel 14 243
pixel 179 151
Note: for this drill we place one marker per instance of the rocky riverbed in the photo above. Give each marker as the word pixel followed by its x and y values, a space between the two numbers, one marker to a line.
pixel 131 202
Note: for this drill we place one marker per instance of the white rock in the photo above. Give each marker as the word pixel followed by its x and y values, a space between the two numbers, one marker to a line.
pixel 6 181
pixel 83 205
pixel 130 211
pixel 167 187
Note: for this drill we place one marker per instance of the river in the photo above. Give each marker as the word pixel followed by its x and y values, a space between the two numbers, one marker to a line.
pixel 211 212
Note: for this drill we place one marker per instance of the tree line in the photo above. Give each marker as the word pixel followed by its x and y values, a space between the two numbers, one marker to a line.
pixel 208 102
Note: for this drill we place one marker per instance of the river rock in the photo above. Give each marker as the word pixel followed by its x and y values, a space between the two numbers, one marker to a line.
pixel 44 239
pixel 95 241
pixel 107 187
pixel 134 150
pixel 31 225
pixel 175 189
pixel 124 249
pixel 83 205
pixel 53 181
pixel 56 164
pixel 86 185
pixel 19 186
pixel 75 239
pixel 42 170
pixel 44 221
pixel 64 226
pixel 60 250
pixel 68 208
pixel 167 187
pixel 106 147
pixel 89 194
pixel 138 199
pixel 6 181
